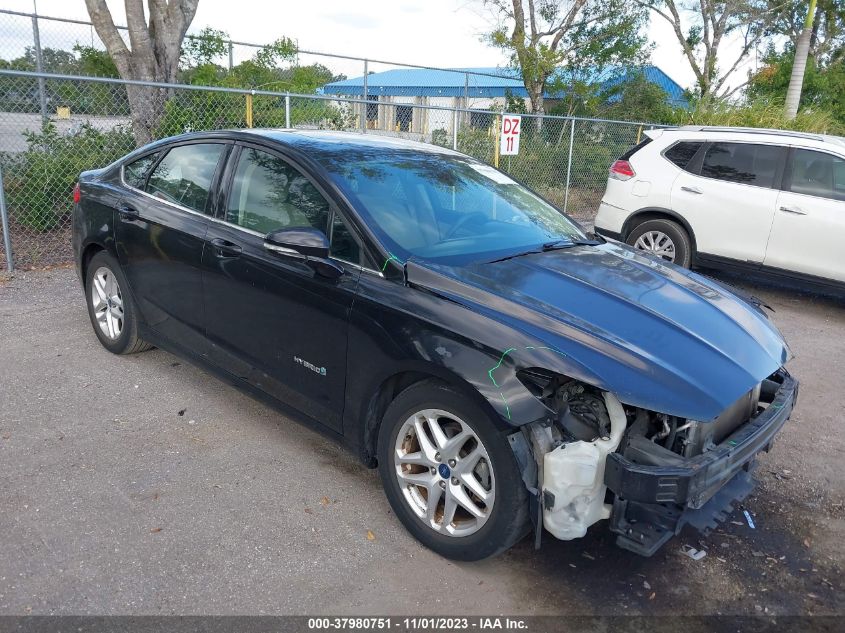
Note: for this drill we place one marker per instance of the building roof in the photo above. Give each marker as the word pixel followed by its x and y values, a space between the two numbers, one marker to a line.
pixel 474 82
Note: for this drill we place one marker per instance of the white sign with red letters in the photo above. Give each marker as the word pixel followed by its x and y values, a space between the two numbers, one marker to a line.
pixel 511 129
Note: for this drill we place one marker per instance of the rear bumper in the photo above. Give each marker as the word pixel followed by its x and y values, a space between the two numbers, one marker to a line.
pixel 654 502
pixel 610 219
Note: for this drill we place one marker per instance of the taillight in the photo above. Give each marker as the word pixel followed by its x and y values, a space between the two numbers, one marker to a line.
pixel 77 194
pixel 622 170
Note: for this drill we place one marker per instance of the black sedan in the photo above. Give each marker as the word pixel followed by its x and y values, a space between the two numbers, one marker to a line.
pixel 505 371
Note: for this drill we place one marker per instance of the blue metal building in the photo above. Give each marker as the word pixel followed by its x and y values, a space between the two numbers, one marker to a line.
pixel 472 83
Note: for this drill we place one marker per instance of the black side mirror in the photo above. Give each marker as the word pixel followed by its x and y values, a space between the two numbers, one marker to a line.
pixel 298 240
pixel 305 242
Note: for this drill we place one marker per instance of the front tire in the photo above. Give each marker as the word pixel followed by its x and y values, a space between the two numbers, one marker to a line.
pixel 450 475
pixel 110 306
pixel 664 239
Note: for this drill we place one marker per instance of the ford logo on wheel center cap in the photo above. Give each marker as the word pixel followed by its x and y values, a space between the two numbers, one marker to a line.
pixel 444 471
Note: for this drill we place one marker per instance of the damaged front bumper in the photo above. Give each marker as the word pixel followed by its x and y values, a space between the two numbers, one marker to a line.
pixel 654 501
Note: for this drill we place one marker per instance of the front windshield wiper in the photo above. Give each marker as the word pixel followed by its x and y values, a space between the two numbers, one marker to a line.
pixel 549 246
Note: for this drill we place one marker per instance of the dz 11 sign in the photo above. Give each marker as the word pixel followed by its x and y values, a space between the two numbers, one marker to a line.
pixel 511 129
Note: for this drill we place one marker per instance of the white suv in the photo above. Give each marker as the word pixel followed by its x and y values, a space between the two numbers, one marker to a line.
pixel 770 200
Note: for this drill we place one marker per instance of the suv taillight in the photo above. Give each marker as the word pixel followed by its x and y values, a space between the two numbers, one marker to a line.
pixel 622 170
pixel 77 194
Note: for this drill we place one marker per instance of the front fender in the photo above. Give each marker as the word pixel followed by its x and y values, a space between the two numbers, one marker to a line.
pixel 408 336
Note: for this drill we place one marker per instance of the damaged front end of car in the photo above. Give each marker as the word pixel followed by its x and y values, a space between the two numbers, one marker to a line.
pixel 648 473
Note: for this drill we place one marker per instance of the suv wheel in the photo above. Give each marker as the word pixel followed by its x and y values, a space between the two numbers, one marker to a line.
pixel 664 239
pixel 450 475
pixel 110 306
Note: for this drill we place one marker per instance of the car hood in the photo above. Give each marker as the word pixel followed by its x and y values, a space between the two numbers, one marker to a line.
pixel 656 335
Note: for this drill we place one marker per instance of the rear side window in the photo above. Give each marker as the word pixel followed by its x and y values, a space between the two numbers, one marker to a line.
pixel 745 163
pixel 817 174
pixel 184 175
pixel 135 173
pixel 682 153
pixel 636 148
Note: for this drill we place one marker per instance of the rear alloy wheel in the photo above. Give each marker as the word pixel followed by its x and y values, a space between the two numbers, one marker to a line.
pixel 664 239
pixel 110 306
pixel 450 474
pixel 107 303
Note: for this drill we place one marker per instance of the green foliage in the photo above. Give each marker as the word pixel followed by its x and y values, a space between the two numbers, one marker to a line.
pixel 821 95
pixel 94 62
pixel 760 114
pixel 477 142
pixel 441 137
pixel 514 104
pixel 636 99
pixel 554 52
pixel 271 55
pixel 203 48
pixel 828 41
pixel 39 181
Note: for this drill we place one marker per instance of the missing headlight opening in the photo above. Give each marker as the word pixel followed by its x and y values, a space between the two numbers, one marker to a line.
pixel 649 473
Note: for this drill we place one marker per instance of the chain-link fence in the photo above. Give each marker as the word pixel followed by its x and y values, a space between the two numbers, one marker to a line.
pixel 93 121
pixel 48 44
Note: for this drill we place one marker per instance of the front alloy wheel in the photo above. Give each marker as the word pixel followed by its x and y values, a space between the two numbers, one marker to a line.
pixel 444 472
pixel 450 474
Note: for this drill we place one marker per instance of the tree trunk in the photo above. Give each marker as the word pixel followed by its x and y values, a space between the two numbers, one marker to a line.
pixel 799 66
pixel 152 54
pixel 146 108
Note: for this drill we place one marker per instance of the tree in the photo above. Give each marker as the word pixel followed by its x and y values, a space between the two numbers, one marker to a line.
pixel 799 65
pixel 701 29
pixel 540 36
pixel 152 54
pixel 822 89
pixel 827 42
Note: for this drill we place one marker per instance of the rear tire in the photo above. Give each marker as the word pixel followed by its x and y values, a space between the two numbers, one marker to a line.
pixel 664 239
pixel 480 503
pixel 110 306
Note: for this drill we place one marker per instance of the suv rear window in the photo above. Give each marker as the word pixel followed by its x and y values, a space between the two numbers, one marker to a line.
pixel 682 153
pixel 746 163
pixel 636 148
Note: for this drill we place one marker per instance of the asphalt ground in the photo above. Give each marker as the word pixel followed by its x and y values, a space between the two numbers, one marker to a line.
pixel 142 485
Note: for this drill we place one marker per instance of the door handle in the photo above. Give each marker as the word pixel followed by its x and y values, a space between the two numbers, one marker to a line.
pixel 225 248
pixel 793 210
pixel 695 190
pixel 127 212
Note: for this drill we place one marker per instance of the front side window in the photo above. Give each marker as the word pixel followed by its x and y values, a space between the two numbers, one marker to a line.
pixel 344 245
pixel 268 194
pixel 745 163
pixel 184 175
pixel 444 207
pixel 682 153
pixel 135 173
pixel 818 174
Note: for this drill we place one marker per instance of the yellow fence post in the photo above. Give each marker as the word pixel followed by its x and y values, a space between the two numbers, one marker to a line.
pixel 497 140
pixel 249 109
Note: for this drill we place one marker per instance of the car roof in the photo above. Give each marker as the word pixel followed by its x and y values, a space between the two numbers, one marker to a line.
pixel 792 137
pixel 316 142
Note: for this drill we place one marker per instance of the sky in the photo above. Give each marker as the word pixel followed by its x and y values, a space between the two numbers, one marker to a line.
pixel 445 33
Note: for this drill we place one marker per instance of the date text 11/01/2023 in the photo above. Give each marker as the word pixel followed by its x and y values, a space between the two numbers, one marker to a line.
pixel 417 623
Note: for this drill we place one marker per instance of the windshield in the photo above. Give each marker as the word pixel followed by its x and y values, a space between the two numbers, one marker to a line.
pixel 443 207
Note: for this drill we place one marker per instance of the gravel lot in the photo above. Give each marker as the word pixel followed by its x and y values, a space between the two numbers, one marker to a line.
pixel 111 502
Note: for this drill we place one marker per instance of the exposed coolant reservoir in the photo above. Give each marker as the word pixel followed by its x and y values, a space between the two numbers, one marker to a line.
pixel 574 474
